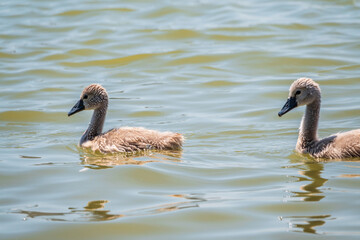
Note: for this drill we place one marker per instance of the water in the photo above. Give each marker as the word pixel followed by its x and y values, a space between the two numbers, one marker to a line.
pixel 216 71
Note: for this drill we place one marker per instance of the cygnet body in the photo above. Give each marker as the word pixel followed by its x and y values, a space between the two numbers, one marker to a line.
pixel 305 91
pixel 125 139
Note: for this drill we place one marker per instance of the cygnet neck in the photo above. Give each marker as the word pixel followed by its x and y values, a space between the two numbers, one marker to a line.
pixel 96 124
pixel 309 125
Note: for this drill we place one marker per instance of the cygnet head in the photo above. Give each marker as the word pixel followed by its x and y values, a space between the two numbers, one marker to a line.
pixel 303 91
pixel 92 97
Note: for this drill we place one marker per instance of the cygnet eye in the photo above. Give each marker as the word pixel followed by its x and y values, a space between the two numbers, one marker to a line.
pixel 298 92
pixel 85 96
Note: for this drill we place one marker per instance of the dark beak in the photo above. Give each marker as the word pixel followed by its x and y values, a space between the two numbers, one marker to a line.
pixel 79 106
pixel 290 104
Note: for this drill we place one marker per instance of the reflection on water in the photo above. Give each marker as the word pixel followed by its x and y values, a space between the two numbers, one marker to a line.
pixel 168 207
pixel 350 175
pixel 94 211
pixel 100 161
pixel 310 172
pixel 307 223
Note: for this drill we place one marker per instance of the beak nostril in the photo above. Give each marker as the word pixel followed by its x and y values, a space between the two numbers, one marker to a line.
pixel 79 106
pixel 289 105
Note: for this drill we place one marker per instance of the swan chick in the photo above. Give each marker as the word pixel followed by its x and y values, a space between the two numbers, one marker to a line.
pixel 305 91
pixel 124 139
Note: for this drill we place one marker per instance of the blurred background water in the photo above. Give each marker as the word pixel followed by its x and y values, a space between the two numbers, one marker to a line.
pixel 216 71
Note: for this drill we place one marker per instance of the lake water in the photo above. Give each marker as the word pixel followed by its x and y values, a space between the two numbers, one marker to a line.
pixel 216 71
